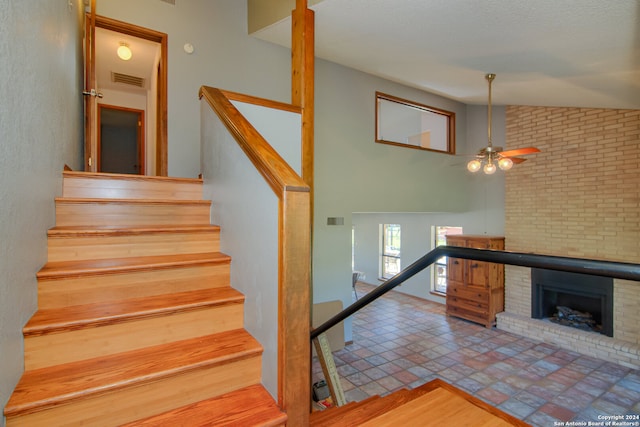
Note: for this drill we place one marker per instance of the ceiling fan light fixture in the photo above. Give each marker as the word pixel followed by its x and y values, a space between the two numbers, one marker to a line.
pixel 124 52
pixel 490 158
pixel 474 165
pixel 489 168
pixel 505 163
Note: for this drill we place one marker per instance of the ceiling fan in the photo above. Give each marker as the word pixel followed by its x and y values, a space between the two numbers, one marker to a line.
pixel 491 156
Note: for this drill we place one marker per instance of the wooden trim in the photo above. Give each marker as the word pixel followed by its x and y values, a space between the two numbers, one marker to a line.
pixel 240 97
pixel 162 107
pixel 295 318
pixel 294 258
pixel 294 300
pixel 278 174
pixel 121 176
pixel 162 114
pixel 451 123
pixel 90 84
pixel 302 81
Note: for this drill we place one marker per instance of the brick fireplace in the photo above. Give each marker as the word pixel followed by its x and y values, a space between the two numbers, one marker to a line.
pixel 556 295
pixel 579 197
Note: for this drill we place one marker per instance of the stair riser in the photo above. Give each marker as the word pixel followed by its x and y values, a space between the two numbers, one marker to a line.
pixel 74 345
pixel 134 214
pixel 105 247
pixel 118 188
pixel 71 291
pixel 139 401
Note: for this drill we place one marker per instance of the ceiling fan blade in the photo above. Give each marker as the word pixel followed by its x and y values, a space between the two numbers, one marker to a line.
pixel 519 151
pixel 517 160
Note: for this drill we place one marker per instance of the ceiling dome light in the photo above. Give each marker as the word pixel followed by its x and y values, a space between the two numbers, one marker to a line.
pixel 474 165
pixel 489 168
pixel 124 52
pixel 505 163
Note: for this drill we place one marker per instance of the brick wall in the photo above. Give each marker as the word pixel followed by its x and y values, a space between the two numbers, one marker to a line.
pixel 579 197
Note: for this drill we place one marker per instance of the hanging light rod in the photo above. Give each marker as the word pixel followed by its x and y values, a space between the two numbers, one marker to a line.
pixel 490 156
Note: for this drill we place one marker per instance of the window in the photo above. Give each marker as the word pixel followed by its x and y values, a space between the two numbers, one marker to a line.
pixel 390 257
pixel 409 124
pixel 439 279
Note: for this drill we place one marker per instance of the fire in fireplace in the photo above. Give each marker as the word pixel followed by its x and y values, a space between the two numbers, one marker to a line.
pixel 573 299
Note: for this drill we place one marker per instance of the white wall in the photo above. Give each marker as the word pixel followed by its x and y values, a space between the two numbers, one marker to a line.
pixel 40 131
pixel 484 214
pixel 355 174
pixel 246 209
pixel 123 99
pixel 224 57
pixel 281 129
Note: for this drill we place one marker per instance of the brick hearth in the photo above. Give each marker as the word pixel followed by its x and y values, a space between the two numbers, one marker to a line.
pixel 579 197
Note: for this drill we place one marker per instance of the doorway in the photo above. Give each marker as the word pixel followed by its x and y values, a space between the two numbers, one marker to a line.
pixel 117 84
pixel 121 147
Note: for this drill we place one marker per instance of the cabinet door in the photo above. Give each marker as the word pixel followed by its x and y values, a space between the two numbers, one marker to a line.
pixel 455 266
pixel 477 271
pixel 455 270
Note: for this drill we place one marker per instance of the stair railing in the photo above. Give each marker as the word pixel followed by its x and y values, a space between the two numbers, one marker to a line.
pixel 617 270
pixel 294 248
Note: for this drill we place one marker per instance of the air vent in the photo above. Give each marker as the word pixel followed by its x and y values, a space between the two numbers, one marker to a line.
pixel 127 79
pixel 173 2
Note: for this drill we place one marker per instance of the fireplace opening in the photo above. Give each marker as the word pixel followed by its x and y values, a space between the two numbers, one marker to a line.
pixel 573 299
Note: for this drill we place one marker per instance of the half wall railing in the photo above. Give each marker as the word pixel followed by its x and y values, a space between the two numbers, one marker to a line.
pixel 293 246
pixel 618 270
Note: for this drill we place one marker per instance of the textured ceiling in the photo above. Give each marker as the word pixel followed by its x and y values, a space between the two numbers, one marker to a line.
pixel 583 53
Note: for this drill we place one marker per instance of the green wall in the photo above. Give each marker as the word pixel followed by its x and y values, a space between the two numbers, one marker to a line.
pixel 40 132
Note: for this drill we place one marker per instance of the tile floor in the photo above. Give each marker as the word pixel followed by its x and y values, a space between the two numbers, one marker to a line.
pixel 401 341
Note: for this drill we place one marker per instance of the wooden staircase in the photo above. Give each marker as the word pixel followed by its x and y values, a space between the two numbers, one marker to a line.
pixel 435 403
pixel 137 323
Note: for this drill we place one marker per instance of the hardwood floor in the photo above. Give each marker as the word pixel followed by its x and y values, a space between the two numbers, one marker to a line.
pixel 435 403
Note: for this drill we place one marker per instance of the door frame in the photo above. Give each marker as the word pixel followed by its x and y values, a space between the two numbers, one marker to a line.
pixel 141 140
pixel 161 168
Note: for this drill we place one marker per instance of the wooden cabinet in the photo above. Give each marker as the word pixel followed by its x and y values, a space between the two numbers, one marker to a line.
pixel 475 289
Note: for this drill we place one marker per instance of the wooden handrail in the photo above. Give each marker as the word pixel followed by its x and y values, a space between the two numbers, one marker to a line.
pixel 294 251
pixel 241 97
pixel 278 174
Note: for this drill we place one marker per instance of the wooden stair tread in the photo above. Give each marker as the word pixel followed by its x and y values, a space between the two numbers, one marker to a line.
pixel 416 406
pixel 128 177
pixel 106 201
pixel 47 387
pixel 318 418
pixel 444 404
pixel 59 269
pixel 367 409
pixel 75 231
pixel 251 406
pixel 97 314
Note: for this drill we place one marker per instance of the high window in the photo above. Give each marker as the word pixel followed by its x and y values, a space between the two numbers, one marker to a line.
pixel 390 254
pixel 439 279
pixel 409 124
